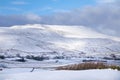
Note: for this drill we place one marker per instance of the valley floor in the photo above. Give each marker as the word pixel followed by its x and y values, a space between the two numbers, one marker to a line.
pixel 52 63
pixel 44 70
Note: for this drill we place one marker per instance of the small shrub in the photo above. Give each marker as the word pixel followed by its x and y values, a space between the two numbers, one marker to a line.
pixel 2 57
pixel 39 58
pixel 21 60
pixel 58 57
pixel 108 58
pixel 18 55
pixel 29 57
pixel 115 67
pixel 3 66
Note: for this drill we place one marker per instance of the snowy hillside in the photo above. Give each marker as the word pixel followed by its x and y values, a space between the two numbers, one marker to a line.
pixel 70 40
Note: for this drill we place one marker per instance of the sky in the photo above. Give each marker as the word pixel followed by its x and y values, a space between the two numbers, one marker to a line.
pixel 100 15
pixel 41 7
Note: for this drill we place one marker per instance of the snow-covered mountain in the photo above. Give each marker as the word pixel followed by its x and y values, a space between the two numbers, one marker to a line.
pixel 73 40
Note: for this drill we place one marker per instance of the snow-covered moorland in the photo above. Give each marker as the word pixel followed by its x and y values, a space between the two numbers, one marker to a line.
pixel 56 40
pixel 40 38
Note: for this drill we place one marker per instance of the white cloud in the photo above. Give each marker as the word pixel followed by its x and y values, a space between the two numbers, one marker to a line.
pixel 33 17
pixel 60 10
pixel 10 8
pixel 105 19
pixel 19 3
pixel 54 0
pixel 108 1
pixel 46 8
pixel 9 20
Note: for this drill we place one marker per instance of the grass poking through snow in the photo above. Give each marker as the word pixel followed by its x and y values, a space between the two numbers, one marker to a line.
pixel 86 66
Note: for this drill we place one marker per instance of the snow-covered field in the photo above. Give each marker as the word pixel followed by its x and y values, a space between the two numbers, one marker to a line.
pixel 45 70
pixel 72 44
pixel 38 74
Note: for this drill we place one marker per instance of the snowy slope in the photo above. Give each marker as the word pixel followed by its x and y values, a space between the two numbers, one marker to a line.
pixel 31 39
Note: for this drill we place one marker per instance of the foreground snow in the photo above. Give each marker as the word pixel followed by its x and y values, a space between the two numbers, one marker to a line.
pixel 106 74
